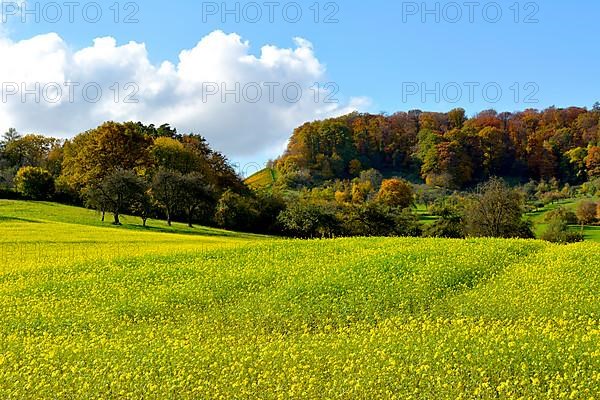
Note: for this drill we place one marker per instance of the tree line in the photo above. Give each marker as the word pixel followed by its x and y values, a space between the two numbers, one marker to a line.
pixel 327 183
pixel 449 149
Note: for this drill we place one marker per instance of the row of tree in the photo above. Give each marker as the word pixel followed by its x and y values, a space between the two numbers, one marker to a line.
pixel 121 167
pixel 449 149
pixel 493 210
pixel 153 171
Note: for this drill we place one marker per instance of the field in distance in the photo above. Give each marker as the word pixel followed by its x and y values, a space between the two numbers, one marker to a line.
pixel 213 314
pixel 262 179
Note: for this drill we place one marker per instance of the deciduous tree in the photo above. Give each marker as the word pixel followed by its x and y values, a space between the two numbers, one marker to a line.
pixel 496 210
pixel 396 193
pixel 34 182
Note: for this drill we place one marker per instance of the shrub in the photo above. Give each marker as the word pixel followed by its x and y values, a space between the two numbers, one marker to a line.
pixel 307 220
pixel 562 213
pixel 35 183
pixel 368 219
pixel 449 226
pixel 407 224
pixel 558 232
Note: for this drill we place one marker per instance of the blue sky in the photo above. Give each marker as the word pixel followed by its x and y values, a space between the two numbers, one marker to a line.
pixel 382 50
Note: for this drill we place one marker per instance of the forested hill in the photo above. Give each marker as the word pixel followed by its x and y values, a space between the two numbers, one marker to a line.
pixel 450 149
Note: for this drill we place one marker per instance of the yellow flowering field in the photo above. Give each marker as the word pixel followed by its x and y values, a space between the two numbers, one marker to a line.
pixel 176 316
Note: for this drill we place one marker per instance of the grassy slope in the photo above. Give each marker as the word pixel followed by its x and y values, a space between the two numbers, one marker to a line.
pixel 362 318
pixel 39 233
pixel 262 179
pixel 53 212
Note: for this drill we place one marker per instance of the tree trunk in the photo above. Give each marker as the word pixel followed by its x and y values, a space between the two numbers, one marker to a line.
pixel 168 218
pixel 144 221
pixel 103 215
pixel 117 221
pixel 190 215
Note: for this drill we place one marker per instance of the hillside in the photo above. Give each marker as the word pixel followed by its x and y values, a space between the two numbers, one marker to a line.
pixel 228 316
pixel 262 179
pixel 451 149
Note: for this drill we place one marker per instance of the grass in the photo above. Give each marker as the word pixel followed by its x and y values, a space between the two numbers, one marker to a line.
pixel 591 232
pixel 239 316
pixel 54 212
pixel 424 216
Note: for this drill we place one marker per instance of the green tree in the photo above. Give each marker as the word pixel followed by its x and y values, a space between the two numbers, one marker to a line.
pixel 34 182
pixel 269 204
pixel 9 136
pixel 307 220
pixel 496 211
pixel 167 191
pixel 143 206
pixel 369 219
pixel 195 192
pixel 236 212
pixel 117 192
pixel 450 223
pixel 576 158
pixel 29 150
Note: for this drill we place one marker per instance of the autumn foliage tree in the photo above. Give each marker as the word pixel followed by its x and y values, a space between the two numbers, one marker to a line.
pixel 592 161
pixel 586 212
pixel 396 193
pixel 449 149
pixel 95 154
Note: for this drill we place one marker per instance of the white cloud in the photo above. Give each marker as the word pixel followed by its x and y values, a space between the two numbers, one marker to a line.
pixel 181 94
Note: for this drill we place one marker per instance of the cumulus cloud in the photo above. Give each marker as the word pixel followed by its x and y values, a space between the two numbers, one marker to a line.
pixel 244 104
